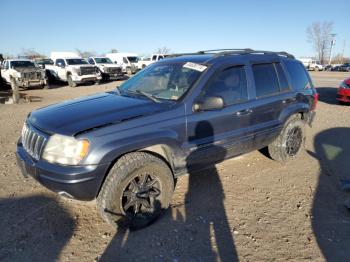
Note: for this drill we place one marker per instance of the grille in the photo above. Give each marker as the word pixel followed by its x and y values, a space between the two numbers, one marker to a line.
pixel 32 142
pixel 87 70
pixel 113 70
pixel 32 75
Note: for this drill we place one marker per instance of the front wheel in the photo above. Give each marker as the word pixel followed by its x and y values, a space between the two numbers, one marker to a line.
pixel 128 71
pixel 71 83
pixel 290 141
pixel 135 191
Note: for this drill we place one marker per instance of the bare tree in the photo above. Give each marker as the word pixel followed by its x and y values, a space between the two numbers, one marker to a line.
pixel 113 50
pixel 30 53
pixel 162 50
pixel 319 35
pixel 339 59
pixel 85 53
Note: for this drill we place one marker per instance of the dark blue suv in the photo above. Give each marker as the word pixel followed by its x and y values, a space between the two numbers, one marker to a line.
pixel 126 147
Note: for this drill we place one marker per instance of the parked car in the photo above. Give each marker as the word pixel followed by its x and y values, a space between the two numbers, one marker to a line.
pixel 343 93
pixel 345 67
pixel 71 68
pixel 22 73
pixel 108 69
pixel 149 60
pixel 42 62
pixel 126 147
pixel 127 61
pixel 311 64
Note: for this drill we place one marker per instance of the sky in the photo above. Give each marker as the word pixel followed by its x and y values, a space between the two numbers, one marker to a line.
pixel 183 26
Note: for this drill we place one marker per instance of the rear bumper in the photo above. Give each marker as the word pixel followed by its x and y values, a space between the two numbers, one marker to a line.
pixel 79 182
pixel 343 95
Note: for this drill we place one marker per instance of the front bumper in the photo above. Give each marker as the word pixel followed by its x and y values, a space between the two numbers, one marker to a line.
pixel 86 78
pixel 115 76
pixel 79 182
pixel 30 82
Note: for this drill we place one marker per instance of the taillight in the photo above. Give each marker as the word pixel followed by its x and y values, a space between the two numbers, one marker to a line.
pixel 315 101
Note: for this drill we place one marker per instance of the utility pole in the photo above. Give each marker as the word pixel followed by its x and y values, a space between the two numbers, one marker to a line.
pixel 332 44
pixel 342 53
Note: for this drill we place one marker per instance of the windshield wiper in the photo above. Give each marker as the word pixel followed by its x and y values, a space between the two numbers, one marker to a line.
pixel 149 96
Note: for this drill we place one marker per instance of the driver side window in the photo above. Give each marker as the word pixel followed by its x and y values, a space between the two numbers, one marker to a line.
pixel 60 61
pixel 230 84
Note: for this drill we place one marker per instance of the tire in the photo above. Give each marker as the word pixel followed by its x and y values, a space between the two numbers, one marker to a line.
pixel 316 69
pixel 128 71
pixel 71 83
pixel 290 142
pixel 118 192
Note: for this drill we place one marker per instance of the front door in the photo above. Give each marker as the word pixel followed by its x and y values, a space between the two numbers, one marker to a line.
pixel 219 134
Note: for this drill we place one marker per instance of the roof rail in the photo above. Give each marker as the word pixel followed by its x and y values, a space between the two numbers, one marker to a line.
pixel 235 51
pixel 225 50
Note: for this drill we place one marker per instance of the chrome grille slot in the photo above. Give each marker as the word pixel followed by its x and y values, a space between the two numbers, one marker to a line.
pixel 87 70
pixel 32 141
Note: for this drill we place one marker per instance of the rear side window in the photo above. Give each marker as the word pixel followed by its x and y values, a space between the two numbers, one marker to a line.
pixel 284 86
pixel 298 75
pixel 266 81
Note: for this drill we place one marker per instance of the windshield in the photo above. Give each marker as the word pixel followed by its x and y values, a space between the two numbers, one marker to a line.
pixel 133 59
pixel 165 81
pixel 103 60
pixel 22 64
pixel 76 61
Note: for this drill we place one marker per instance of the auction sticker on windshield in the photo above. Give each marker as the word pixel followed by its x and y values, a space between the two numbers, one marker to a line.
pixel 195 66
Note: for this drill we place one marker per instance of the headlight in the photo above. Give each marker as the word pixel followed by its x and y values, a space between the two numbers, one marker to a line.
pixel 65 150
pixel 18 75
pixel 76 71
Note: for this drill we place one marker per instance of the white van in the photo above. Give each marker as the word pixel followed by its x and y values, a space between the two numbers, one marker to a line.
pixel 127 61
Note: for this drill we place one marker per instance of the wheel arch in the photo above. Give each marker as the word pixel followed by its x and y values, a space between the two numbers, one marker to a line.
pixel 161 151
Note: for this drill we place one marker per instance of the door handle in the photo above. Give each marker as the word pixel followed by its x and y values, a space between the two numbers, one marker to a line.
pixel 289 100
pixel 244 112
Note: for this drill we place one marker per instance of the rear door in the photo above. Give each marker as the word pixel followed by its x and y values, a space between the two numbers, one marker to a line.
pixel 273 94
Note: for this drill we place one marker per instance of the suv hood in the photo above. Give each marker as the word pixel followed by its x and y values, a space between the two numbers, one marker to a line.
pixel 79 115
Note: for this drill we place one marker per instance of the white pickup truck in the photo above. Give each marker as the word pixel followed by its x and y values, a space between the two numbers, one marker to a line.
pixel 127 61
pixel 149 60
pixel 311 64
pixel 108 69
pixel 73 69
pixel 22 73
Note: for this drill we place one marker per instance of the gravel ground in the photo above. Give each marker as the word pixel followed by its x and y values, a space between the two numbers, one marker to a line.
pixel 248 208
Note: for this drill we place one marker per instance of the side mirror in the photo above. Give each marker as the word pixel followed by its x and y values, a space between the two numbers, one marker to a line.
pixel 60 64
pixel 209 103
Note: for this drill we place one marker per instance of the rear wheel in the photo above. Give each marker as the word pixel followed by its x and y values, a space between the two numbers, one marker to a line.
pixel 71 83
pixel 290 141
pixel 136 190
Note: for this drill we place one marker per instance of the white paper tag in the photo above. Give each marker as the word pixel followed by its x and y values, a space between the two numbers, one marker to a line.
pixel 195 66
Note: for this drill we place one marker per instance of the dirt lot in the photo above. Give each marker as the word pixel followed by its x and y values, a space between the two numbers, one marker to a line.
pixel 250 207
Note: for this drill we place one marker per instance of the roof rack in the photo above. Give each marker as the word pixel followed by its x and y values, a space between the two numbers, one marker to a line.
pixel 235 51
